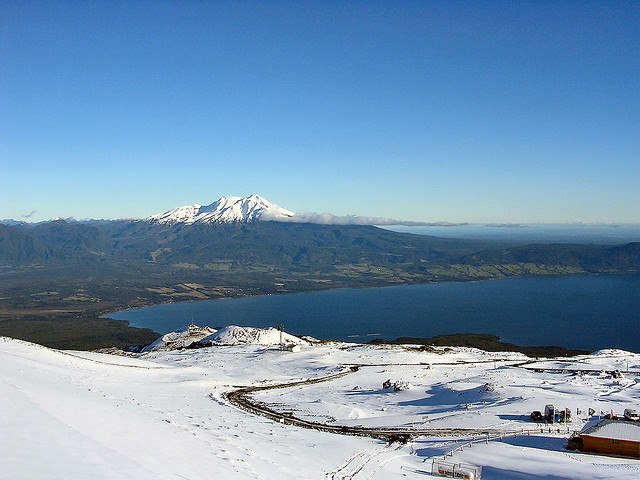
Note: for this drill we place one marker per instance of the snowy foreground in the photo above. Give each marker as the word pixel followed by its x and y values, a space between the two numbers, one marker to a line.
pixel 163 414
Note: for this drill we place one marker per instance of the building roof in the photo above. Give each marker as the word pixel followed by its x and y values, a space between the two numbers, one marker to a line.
pixel 613 429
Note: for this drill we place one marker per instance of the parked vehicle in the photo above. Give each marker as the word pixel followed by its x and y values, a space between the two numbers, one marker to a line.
pixel 536 416
pixel 631 414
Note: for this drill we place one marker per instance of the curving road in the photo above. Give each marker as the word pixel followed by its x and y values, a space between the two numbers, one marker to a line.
pixel 242 398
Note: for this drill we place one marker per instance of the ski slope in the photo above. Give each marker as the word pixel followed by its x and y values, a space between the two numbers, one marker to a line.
pixel 163 414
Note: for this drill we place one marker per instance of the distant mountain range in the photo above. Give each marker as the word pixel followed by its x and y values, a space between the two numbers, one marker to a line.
pixel 233 245
pixel 245 232
pixel 233 232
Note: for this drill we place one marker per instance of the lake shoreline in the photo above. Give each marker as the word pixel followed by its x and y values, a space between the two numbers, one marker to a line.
pixel 577 312
pixel 107 313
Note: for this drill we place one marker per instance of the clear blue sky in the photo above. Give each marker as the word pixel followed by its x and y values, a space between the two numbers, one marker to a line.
pixel 430 111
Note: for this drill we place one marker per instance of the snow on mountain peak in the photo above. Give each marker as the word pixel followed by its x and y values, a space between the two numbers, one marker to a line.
pixel 225 210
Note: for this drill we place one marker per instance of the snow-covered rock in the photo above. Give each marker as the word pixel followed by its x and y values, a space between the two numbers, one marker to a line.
pixel 224 210
pixel 198 337
pixel 180 339
pixel 235 335
pixel 397 386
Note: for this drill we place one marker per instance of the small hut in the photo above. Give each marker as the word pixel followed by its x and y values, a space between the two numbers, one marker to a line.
pixel 611 437
pixel 290 347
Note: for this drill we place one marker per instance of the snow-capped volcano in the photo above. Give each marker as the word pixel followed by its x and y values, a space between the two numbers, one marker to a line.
pixel 224 210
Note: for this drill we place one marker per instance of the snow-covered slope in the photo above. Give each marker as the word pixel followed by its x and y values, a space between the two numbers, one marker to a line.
pixel 225 210
pixel 167 415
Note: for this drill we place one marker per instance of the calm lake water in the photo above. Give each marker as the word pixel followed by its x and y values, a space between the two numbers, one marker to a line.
pixel 587 312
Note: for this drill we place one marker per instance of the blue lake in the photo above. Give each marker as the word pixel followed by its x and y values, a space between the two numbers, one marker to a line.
pixel 587 312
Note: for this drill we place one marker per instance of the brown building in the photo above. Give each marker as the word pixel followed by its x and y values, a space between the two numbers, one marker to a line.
pixel 612 437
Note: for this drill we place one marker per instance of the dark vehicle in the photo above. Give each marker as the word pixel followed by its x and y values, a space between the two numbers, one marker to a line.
pixel 536 416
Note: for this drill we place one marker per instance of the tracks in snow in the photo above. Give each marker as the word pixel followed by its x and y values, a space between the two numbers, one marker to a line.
pixel 364 461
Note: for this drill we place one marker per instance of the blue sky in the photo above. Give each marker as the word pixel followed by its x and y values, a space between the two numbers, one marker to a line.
pixel 427 111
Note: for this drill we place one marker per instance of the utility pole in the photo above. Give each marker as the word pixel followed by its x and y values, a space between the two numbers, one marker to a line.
pixel 281 328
